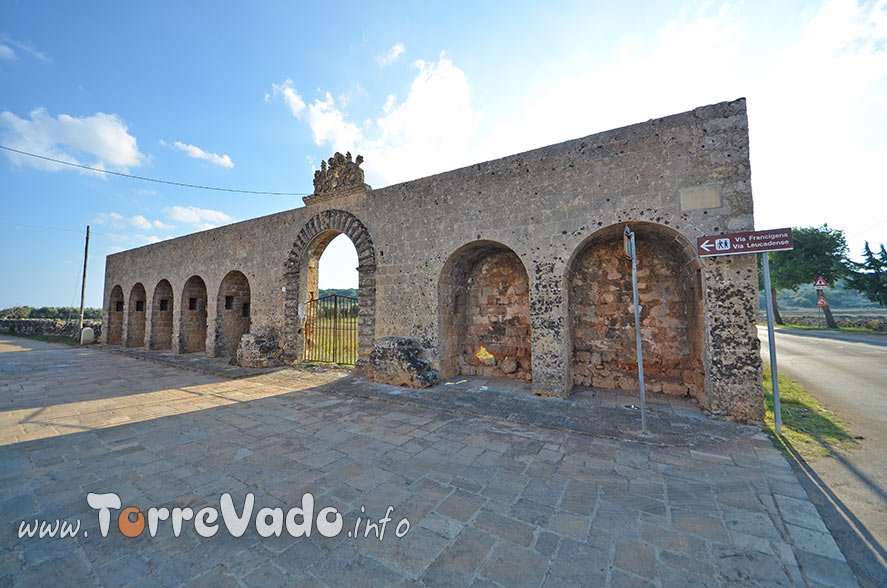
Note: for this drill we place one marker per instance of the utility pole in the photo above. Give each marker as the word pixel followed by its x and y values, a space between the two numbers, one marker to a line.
pixel 83 286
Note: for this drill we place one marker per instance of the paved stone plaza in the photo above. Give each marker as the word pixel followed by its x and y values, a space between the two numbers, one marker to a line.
pixel 492 497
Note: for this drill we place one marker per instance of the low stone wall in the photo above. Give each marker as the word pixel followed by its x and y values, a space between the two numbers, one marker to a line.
pixel 876 323
pixel 50 327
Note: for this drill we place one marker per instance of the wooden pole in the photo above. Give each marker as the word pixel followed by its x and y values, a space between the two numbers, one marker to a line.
pixel 83 286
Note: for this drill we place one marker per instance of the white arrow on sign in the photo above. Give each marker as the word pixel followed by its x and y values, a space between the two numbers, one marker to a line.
pixel 706 245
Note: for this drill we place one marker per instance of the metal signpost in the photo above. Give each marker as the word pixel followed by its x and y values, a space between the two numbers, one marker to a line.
pixel 819 285
pixel 631 252
pixel 755 242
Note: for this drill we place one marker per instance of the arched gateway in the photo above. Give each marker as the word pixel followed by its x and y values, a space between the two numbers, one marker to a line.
pixel 302 273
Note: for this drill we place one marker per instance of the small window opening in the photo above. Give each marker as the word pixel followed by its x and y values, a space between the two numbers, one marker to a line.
pixel 192 304
pixel 118 306
pixel 140 306
pixel 244 311
pixel 229 302
pixel 164 304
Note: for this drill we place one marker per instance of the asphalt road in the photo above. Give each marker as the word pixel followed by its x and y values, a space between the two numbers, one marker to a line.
pixel 848 373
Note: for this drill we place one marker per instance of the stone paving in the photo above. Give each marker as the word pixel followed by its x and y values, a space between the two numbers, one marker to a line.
pixel 490 500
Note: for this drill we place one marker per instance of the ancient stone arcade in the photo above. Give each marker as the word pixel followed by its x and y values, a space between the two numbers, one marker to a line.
pixel 512 268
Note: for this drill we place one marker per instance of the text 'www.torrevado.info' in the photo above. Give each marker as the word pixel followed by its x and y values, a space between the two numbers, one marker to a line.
pixel 298 521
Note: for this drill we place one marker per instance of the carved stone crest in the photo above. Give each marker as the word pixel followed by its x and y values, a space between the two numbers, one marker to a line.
pixel 337 173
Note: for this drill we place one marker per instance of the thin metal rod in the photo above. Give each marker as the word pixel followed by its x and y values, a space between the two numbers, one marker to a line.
pixel 637 332
pixel 771 339
pixel 83 286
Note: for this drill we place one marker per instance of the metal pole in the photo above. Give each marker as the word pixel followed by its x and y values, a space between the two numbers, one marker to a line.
pixel 771 339
pixel 637 332
pixel 83 286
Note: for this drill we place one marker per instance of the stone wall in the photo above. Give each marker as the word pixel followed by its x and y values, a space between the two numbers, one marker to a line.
pixel 47 327
pixel 673 179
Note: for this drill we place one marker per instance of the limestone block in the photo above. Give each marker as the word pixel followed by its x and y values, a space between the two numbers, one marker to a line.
pixel 87 336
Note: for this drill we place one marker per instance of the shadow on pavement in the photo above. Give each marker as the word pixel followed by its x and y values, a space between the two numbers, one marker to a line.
pixel 865 555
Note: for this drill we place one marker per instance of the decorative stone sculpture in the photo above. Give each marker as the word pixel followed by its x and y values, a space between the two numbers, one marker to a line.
pixel 337 173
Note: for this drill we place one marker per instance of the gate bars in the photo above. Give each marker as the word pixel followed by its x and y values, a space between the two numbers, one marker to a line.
pixel 331 330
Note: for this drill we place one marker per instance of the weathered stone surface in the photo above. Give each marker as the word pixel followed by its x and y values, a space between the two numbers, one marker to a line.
pixel 444 250
pixel 399 361
pixel 258 350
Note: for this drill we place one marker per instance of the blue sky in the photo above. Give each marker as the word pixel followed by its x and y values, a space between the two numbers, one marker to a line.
pixel 254 95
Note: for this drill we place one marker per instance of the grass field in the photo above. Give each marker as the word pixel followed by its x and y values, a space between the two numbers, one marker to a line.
pixel 807 426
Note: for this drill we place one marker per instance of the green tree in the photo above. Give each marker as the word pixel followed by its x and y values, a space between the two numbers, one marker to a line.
pixel 16 312
pixel 818 252
pixel 870 276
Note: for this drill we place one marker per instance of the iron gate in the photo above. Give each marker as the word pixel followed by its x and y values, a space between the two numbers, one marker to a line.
pixel 331 330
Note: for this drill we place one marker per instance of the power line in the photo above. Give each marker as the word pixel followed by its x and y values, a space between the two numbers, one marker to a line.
pixel 47 228
pixel 864 230
pixel 143 178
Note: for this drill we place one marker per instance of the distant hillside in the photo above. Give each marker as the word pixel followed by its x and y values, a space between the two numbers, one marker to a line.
pixel 351 292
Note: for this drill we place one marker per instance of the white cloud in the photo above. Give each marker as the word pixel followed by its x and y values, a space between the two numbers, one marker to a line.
pixel 391 55
pixel 328 124
pixel 813 112
pixel 290 96
pixel 198 153
pixel 130 241
pixel 7 52
pixel 429 131
pixel 815 99
pixel 100 141
pixel 140 222
pixel 200 218
pixel 815 89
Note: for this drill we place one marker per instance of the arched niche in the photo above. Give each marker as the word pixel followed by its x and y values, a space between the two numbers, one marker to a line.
pixel 484 306
pixel 192 315
pixel 232 313
pixel 601 312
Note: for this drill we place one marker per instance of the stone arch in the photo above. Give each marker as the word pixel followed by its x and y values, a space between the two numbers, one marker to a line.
pixel 161 316
pixel 136 316
pixel 232 313
pixel 115 316
pixel 301 278
pixel 192 316
pixel 484 302
pixel 601 338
